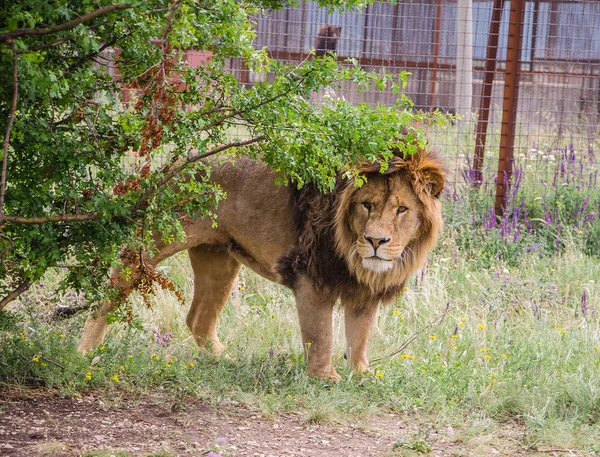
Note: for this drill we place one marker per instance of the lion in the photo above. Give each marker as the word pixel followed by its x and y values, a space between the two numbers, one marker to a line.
pixel 355 245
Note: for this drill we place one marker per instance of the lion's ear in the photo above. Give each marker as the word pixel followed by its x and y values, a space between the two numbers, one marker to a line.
pixel 429 176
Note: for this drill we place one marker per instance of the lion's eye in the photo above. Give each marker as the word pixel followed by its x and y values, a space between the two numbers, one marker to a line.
pixel 401 210
pixel 367 205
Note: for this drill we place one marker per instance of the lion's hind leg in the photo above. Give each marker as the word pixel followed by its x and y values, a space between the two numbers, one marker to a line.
pixel 215 271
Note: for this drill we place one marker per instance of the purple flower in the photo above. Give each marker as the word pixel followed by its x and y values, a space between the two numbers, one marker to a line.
pixel 584 305
pixel 162 338
pixel 213 454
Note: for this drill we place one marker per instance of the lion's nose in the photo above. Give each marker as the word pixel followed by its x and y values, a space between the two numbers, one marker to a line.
pixel 376 242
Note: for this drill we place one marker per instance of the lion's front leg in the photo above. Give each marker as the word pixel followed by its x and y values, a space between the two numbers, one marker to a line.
pixel 315 311
pixel 359 323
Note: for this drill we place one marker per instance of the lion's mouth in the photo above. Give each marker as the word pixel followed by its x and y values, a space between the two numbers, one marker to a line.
pixel 377 264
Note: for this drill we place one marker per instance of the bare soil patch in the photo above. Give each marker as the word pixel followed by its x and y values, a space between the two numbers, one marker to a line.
pixel 43 423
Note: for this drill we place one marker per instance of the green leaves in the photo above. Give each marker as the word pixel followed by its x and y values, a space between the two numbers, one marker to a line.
pixel 77 149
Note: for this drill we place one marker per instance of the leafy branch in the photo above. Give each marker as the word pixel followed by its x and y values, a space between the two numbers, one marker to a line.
pixel 63 27
pixel 11 119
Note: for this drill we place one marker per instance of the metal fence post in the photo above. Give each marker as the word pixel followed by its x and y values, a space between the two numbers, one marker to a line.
pixel 509 106
pixel 486 91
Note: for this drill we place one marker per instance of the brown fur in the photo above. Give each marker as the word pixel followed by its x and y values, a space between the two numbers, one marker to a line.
pixel 314 243
pixel 327 39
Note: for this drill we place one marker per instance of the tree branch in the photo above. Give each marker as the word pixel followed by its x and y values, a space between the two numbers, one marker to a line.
pixel 174 171
pixel 66 26
pixel 11 119
pixel 14 294
pixel 86 217
pixel 170 174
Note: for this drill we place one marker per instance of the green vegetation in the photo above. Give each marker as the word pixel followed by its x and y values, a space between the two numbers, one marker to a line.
pixel 520 342
pixel 66 197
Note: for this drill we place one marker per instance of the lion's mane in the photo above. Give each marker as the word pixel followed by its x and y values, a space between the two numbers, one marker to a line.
pixel 326 253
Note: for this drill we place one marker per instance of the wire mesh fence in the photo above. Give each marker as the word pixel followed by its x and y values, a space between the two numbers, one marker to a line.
pixel 524 77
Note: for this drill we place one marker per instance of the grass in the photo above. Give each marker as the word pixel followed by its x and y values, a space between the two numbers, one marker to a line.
pixel 520 344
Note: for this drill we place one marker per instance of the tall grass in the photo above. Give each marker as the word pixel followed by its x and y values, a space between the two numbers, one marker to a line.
pixel 520 341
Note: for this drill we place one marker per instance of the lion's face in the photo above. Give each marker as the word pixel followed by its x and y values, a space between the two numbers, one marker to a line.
pixel 385 218
pixel 385 229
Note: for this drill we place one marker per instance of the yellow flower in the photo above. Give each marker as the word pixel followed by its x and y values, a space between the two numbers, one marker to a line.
pixel 115 378
pixel 88 376
pixel 483 350
pixel 461 324
pixel 453 346
pixel 35 359
pixel 432 337
pixel 154 357
pixel 130 356
pixel 191 365
pixel 596 348
pixel 407 356
pixel 122 368
pixel 405 288
pixel 397 312
pixel 504 356
pixel 379 374
pixel 481 326
pixel 487 357
pixel 455 336
pixel 61 335
pixel 43 364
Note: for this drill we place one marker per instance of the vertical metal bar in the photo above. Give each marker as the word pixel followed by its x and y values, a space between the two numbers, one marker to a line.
pixel 395 25
pixel 366 29
pixel 534 32
pixel 436 54
pixel 486 90
pixel 509 108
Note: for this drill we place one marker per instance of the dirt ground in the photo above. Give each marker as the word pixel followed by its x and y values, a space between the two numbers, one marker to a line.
pixel 42 423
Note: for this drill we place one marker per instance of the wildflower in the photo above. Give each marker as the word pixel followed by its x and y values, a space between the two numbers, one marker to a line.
pixel 461 324
pixel 397 312
pixel 191 365
pixel 454 336
pixel 481 326
pixel 130 356
pixel 154 357
pixel 115 378
pixel 379 374
pixel 407 356
pixel 405 288
pixel 487 356
pixel 597 349
pixel 35 359
pixel 88 376
pixel 504 356
pixel 61 335
pixel 43 364
pixel 432 337
pixel 121 368
pixel 483 349
pixel 453 346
